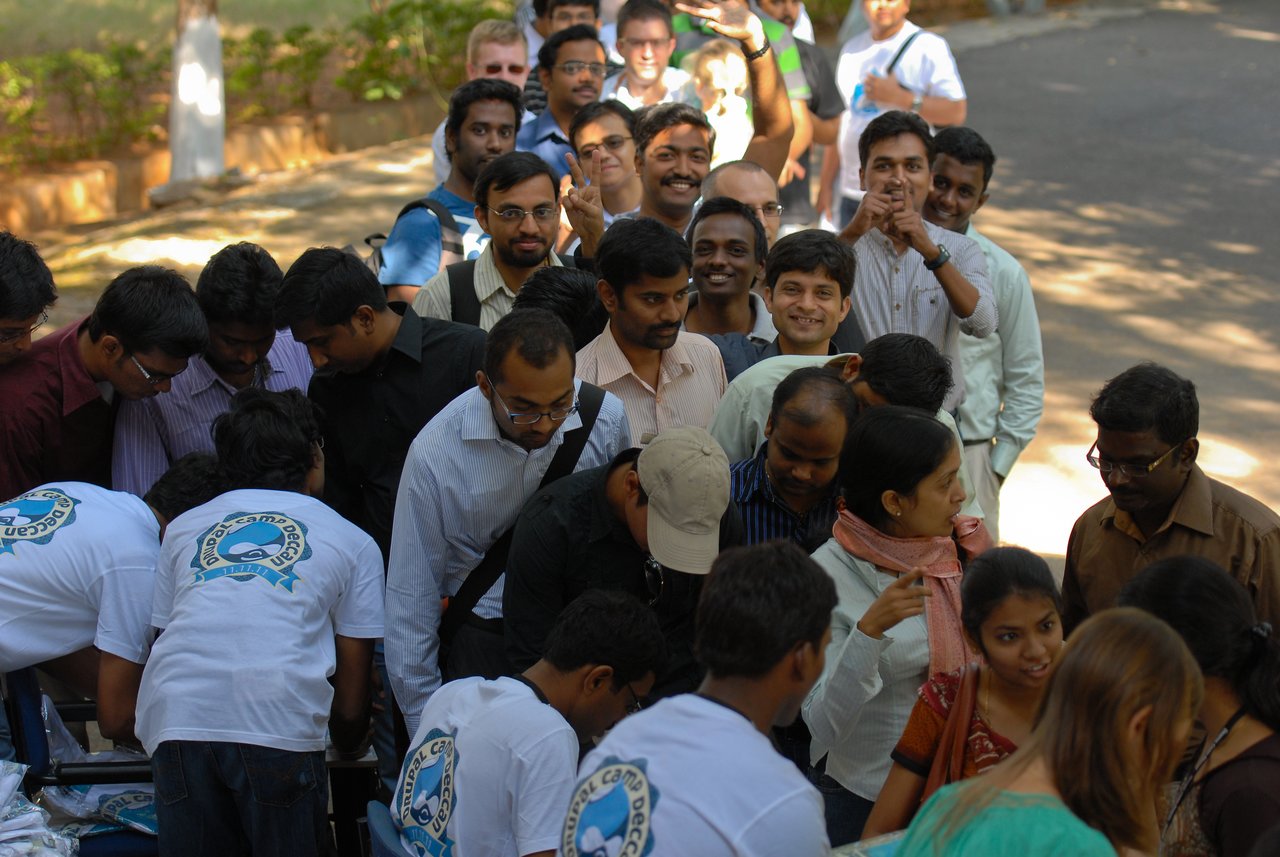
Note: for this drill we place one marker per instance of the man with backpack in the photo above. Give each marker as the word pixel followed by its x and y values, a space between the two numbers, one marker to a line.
pixel 442 228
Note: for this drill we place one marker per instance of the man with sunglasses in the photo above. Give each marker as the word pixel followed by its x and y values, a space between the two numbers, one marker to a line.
pixel 26 293
pixel 60 401
pixel 649 523
pixel 467 474
pixel 511 744
pixel 571 67
pixel 1162 504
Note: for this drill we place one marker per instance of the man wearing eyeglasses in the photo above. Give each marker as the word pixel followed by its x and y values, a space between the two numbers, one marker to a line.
pixel 571 66
pixel 60 401
pixel 518 205
pixel 26 293
pixel 650 523
pixel 646 42
pixel 466 476
pixel 1162 504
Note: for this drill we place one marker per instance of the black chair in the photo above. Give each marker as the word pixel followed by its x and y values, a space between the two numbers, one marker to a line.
pixel 31 744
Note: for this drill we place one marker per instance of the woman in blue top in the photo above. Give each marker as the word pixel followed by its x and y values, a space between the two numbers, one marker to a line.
pixel 1113 724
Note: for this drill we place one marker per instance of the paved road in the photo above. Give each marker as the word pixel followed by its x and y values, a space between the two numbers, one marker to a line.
pixel 1138 155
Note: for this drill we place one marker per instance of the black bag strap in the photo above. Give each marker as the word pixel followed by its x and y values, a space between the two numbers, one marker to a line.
pixel 450 235
pixel 486 574
pixel 464 306
pixel 893 63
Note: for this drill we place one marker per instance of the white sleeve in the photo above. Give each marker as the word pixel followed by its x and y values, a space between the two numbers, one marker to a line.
pixel 124 611
pixel 795 826
pixel 358 613
pixel 545 778
pixel 941 76
pixel 415 572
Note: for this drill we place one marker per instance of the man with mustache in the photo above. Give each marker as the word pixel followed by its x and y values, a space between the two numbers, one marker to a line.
pixel 237 291
pixel 664 376
pixel 571 66
pixel 517 204
pixel 484 117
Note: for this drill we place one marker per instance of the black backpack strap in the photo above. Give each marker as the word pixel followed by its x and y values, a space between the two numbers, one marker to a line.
pixel 486 574
pixel 893 63
pixel 463 303
pixel 450 235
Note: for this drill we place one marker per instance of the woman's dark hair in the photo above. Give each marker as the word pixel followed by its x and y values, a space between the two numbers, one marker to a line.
pixel 994 576
pixel 890 448
pixel 265 440
pixel 729 205
pixel 150 307
pixel 1215 617
pixel 239 284
pixel 26 286
pixel 605 628
pixel 758 604
pixel 537 335
pixel 327 286
pixel 596 109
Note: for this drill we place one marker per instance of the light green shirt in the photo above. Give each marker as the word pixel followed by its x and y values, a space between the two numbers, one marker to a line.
pixel 1004 372
pixel 740 418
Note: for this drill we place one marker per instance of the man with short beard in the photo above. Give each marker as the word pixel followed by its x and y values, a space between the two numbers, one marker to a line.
pixel 664 376
pixel 484 117
pixel 517 204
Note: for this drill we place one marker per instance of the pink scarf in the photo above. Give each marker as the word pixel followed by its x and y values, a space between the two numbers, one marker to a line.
pixel 939 558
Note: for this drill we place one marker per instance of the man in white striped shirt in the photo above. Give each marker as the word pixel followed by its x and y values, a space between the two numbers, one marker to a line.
pixel 908 280
pixel 467 474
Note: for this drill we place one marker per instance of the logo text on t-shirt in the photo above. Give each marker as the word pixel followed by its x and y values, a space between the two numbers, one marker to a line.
pixel 35 517
pixel 610 812
pixel 427 798
pixel 248 545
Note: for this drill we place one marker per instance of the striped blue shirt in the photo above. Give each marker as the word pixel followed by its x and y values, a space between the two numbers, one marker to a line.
pixel 766 516
pixel 462 486
pixel 153 433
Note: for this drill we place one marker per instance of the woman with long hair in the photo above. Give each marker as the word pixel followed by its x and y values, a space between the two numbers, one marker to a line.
pixel 1011 609
pixel 896 556
pixel 1231 795
pixel 1111 727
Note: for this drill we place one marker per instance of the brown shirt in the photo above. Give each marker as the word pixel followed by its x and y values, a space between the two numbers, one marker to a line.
pixel 54 424
pixel 1208 519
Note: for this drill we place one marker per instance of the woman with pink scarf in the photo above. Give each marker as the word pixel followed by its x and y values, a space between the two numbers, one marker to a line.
pixel 896 556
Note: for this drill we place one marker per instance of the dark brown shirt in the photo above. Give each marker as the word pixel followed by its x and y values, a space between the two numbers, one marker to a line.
pixel 54 424
pixel 1208 519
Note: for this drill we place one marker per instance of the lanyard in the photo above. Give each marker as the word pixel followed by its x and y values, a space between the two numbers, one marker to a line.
pixel 1190 778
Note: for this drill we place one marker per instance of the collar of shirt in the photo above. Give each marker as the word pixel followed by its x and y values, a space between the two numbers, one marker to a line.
pixel 1193 509
pixel 78 388
pixel 773 349
pixel 762 330
pixel 408 339
pixel 199 376
pixel 478 422
pixel 488 279
pixel 547 128
pixel 613 364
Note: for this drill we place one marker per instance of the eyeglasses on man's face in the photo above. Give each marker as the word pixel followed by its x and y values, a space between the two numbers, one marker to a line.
pixel 574 68
pixel 558 415
pixel 612 144
pixel 153 378
pixel 494 69
pixel 541 214
pixel 769 209
pixel 13 334
pixel 1129 471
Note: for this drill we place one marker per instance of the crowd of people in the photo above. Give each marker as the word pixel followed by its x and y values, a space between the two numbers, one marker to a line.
pixel 616 509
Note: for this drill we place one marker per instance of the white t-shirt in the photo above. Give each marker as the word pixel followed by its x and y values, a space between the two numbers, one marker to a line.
pixel 77 566
pixel 489 772
pixel 250 590
pixel 691 777
pixel 926 68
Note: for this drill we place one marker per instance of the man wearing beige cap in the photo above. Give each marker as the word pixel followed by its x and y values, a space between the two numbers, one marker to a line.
pixel 649 523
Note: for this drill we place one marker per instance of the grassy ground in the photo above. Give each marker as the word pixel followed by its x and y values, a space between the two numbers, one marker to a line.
pixel 26 27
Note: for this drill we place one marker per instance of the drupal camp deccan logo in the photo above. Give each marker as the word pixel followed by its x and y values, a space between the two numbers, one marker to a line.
pixel 244 546
pixel 610 812
pixel 427 797
pixel 35 517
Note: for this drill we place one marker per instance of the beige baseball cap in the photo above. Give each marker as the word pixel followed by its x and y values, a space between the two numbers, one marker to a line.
pixel 685 473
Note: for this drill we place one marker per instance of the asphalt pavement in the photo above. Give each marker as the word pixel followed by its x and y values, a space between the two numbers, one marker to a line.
pixel 1138 160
